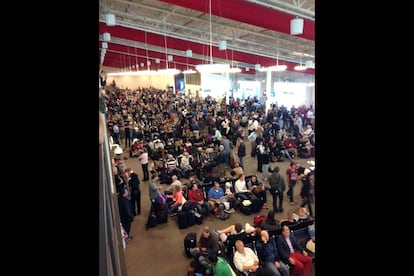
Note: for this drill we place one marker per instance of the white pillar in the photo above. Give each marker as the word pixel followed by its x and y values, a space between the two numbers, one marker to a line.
pixel 268 89
pixel 227 74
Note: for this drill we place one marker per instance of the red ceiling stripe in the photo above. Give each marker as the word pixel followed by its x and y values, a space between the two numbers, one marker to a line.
pixel 179 44
pixel 250 13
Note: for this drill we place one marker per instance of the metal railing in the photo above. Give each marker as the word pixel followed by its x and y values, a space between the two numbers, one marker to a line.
pixel 111 250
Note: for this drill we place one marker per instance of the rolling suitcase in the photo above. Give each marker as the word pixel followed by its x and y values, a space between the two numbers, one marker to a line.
pixel 190 242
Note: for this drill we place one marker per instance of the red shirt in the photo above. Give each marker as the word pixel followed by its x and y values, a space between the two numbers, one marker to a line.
pixel 195 195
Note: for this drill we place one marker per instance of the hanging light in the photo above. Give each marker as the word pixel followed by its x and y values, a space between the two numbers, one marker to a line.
pixel 137 65
pixel 310 64
pixel 296 26
pixel 212 67
pixel 223 45
pixel 232 68
pixel 168 58
pixel 189 53
pixel 148 71
pixel 300 67
pixel 106 36
pixel 110 19
pixel 277 67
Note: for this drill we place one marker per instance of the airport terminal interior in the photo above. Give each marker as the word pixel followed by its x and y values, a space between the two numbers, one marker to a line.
pixel 195 77
pixel 160 250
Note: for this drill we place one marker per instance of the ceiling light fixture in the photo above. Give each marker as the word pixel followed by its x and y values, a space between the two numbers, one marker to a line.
pixel 148 71
pixel 137 65
pixel 110 19
pixel 106 36
pixel 310 64
pixel 232 68
pixel 277 67
pixel 189 53
pixel 300 67
pixel 168 58
pixel 296 26
pixel 212 67
pixel 223 45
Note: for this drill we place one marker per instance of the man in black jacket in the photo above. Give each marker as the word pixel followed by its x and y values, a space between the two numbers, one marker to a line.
pixel 125 210
pixel 277 188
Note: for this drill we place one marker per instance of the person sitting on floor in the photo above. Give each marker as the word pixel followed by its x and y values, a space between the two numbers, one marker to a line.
pixel 302 215
pixel 196 195
pixel 136 148
pixel 257 187
pixel 229 192
pixel 215 196
pixel 270 223
pixel 289 220
pixel 185 164
pixel 232 229
pixel 207 245
pixel 237 171
pixel 241 189
pixel 177 199
pixel 219 266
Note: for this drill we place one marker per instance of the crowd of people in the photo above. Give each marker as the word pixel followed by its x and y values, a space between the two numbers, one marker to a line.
pixel 280 255
pixel 176 137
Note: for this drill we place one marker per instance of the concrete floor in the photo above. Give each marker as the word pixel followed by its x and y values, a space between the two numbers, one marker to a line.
pixel 160 250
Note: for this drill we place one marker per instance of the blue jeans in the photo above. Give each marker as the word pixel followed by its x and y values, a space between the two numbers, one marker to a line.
pixel 241 161
pixel 204 209
pixel 281 271
pixel 265 169
pixel 290 190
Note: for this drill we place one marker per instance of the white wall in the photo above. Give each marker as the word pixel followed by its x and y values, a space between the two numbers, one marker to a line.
pixel 133 82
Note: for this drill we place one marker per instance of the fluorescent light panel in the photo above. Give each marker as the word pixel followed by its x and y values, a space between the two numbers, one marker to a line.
pixel 212 68
pixel 275 68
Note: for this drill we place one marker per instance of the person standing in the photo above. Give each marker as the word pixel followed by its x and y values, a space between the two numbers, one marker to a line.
pixel 277 188
pixel 306 191
pixel 154 191
pixel 266 156
pixel 125 210
pixel 241 151
pixel 143 159
pixel 135 192
pixel 291 178
pixel 115 130
pixel 260 149
pixel 128 133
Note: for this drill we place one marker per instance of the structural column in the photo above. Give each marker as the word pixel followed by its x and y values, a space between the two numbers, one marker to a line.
pixel 268 89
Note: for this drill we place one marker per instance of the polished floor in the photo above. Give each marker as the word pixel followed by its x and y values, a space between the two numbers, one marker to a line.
pixel 160 250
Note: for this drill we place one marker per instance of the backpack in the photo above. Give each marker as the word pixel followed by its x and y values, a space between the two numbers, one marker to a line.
pixel 257 220
pixel 223 215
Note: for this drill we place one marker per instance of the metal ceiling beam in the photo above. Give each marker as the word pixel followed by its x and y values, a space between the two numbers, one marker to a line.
pixel 287 8
pixel 136 21
pixel 258 43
